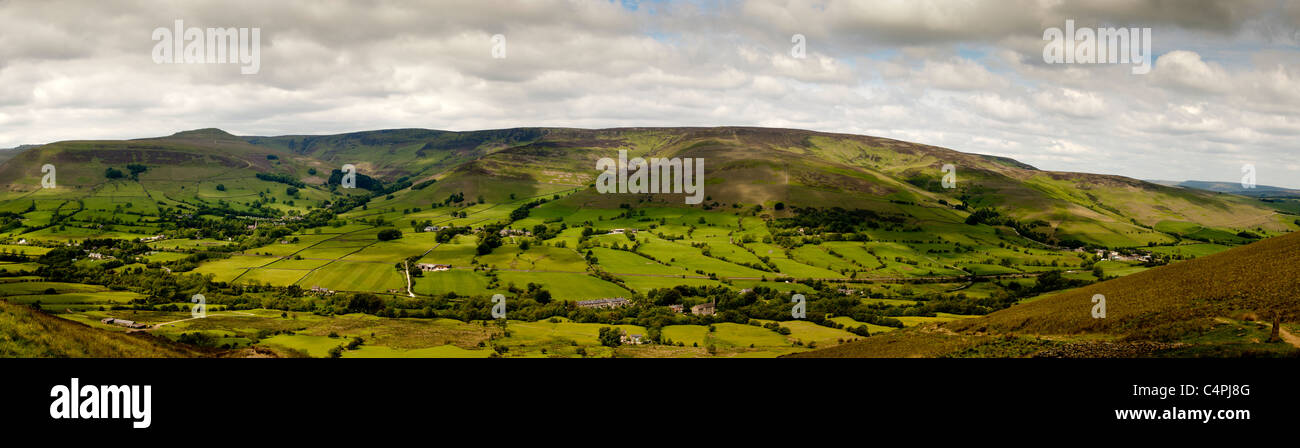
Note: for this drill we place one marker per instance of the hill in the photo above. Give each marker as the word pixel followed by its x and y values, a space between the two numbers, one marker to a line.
pixel 1206 305
pixel 27 333
pixel 806 168
pixel 1233 188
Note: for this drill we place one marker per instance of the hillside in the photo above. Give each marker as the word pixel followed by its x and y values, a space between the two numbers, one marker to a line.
pixel 807 168
pixel 1209 304
pixel 28 333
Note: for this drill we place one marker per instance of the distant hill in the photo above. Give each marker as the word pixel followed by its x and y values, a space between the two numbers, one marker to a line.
pixel 1205 305
pixel 9 153
pixel 1232 187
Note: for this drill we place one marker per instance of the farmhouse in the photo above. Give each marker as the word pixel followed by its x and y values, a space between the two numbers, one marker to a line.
pixel 618 231
pixel 676 308
pixel 615 302
pixel 122 322
pixel 627 339
pixel 704 309
pixel 322 291
pixel 98 256
pixel 428 267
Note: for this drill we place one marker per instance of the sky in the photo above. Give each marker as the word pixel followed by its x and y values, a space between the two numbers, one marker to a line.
pixel 1224 90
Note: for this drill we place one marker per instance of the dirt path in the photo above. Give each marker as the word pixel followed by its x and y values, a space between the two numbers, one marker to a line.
pixel 406 265
pixel 229 313
pixel 1288 337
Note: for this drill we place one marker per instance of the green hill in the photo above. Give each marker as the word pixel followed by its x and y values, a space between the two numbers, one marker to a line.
pixel 26 333
pixel 805 168
pixel 1218 304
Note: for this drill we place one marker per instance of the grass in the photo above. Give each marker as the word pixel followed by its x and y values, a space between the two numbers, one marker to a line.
pixel 442 351
pixel 565 286
pixel 1176 303
pixel 347 276
pixel 25 333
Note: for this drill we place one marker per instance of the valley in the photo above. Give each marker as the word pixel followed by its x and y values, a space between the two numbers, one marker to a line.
pixel 292 264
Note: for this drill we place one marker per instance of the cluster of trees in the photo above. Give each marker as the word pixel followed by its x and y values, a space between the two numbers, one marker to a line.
pixel 281 178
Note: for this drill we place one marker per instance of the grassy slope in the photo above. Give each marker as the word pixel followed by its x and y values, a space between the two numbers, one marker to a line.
pixel 1171 303
pixel 27 333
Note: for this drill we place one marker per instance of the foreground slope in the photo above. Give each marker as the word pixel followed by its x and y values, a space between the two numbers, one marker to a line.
pixel 1180 307
pixel 26 333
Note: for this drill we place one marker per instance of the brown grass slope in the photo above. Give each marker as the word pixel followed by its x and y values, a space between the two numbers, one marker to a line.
pixel 1165 304
pixel 27 333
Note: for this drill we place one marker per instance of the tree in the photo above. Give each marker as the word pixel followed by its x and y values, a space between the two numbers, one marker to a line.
pixel 221 187
pixel 113 173
pixel 336 352
pixel 389 234
pixel 136 169
pixel 610 336
pixel 365 303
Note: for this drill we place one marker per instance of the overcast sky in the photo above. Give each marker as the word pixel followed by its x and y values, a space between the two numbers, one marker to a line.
pixel 966 75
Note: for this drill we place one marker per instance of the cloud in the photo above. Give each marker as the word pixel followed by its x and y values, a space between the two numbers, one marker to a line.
pixel 965 75
pixel 1186 70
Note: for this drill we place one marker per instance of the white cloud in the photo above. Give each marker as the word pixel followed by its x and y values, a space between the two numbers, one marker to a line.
pixel 964 75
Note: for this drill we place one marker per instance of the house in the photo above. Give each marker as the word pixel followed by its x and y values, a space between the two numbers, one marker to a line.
pixel 676 308
pixel 322 291
pixel 847 291
pixel 428 267
pixel 152 238
pixel 607 303
pixel 626 339
pixel 122 322
pixel 705 309
pixel 618 231
pixel 98 256
pixel 434 228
